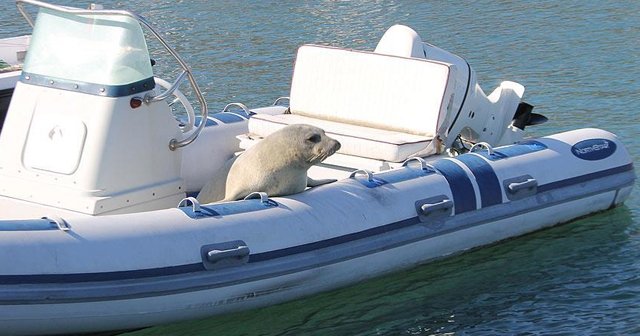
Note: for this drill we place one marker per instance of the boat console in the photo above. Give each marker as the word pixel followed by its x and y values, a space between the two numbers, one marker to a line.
pixel 87 121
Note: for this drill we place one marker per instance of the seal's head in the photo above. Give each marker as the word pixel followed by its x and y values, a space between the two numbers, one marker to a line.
pixel 307 145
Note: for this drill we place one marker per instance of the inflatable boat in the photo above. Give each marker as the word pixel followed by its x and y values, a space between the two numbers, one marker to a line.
pixel 100 228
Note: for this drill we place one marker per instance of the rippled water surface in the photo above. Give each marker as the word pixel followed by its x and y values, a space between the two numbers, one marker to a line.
pixel 580 63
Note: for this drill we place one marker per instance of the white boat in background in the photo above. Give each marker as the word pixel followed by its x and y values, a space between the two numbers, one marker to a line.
pixel 99 230
pixel 12 53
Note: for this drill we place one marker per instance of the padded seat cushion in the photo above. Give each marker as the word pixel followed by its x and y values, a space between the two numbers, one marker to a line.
pixel 356 140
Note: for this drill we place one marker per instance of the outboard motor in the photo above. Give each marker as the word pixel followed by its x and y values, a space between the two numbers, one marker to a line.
pixel 471 114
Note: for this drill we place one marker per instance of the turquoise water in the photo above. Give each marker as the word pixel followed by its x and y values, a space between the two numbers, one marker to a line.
pixel 580 63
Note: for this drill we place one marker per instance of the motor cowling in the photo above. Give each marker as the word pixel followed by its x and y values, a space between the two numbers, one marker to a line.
pixel 471 114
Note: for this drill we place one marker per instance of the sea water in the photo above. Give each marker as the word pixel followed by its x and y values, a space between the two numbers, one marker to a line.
pixel 580 64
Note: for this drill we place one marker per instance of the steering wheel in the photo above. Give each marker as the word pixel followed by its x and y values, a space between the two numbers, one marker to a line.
pixel 180 97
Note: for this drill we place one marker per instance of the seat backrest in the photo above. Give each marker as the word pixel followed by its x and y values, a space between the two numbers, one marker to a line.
pixel 370 89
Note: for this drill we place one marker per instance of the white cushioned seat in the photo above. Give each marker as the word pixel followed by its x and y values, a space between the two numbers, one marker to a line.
pixel 355 140
pixel 378 106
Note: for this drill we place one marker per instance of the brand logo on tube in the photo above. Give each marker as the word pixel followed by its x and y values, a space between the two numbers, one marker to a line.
pixel 594 149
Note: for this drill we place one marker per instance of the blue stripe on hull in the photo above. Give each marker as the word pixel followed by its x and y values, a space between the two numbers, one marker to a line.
pixel 99 276
pixel 464 196
pixel 490 190
pixel 584 178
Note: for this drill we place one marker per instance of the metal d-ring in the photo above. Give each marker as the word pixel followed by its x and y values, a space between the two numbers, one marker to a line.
pixel 275 103
pixel 365 172
pixel 263 197
pixel 195 204
pixel 423 164
pixel 59 222
pixel 240 105
pixel 482 144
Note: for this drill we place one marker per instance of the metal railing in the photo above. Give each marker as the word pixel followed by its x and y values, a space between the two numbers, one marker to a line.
pixel 174 143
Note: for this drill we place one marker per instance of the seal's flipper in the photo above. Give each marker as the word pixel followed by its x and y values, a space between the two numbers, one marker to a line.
pixel 314 183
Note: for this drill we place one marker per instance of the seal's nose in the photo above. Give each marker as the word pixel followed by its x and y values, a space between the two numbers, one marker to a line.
pixel 336 146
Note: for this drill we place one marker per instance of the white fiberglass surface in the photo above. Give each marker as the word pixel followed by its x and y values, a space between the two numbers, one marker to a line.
pixel 107 50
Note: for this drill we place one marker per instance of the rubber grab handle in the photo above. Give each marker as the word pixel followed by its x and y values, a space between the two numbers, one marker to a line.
pixel 431 207
pixel 529 183
pixel 238 252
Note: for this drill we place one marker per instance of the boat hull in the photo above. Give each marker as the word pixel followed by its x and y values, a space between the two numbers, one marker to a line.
pixel 136 270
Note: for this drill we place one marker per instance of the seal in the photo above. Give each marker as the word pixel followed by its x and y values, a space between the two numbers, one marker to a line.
pixel 276 165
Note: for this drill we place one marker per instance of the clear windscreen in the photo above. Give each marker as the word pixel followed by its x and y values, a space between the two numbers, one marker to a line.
pixel 98 49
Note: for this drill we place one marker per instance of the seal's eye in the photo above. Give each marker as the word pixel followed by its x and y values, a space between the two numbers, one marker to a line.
pixel 315 138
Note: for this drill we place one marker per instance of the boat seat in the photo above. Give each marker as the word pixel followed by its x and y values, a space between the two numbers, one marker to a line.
pixel 378 106
pixel 369 142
